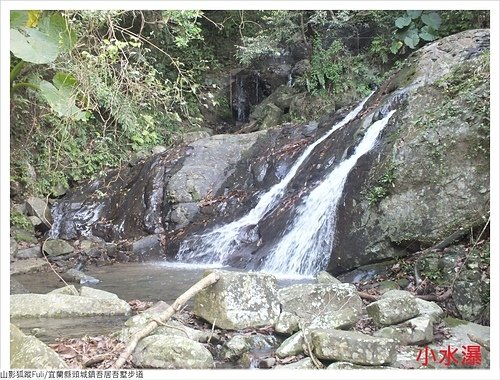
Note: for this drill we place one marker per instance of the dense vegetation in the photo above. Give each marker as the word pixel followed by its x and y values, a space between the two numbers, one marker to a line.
pixel 91 88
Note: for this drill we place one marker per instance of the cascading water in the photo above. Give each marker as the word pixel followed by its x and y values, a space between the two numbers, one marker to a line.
pixel 219 244
pixel 307 243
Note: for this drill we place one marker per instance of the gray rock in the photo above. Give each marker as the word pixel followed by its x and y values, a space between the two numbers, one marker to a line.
pixel 183 213
pixel 29 352
pixel 287 323
pixel 64 305
pixel 392 310
pixel 343 319
pixel 291 346
pixel 431 309
pixel 57 247
pixel 147 246
pixel 207 166
pixel 16 287
pixel 85 291
pixel 305 363
pixel 13 248
pixel 417 330
pixel 240 344
pixel 239 300
pixel 29 253
pixel 272 117
pixel 158 149
pixel 309 300
pixel 39 208
pixel 324 277
pixel 74 275
pixel 69 290
pixel 35 221
pixel 190 137
pixel 29 266
pixel 353 347
pixel 170 351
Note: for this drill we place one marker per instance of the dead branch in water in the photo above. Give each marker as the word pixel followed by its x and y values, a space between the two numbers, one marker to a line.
pixel 165 316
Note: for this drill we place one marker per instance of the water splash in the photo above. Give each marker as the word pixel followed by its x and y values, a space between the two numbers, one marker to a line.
pixel 305 248
pixel 219 244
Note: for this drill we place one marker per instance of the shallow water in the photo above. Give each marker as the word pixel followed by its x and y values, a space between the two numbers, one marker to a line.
pixel 159 281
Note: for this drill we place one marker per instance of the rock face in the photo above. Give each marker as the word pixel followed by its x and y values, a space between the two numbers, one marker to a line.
pixel 58 305
pixel 353 347
pixel 29 352
pixel 239 300
pixel 164 351
pixel 439 146
pixel 423 184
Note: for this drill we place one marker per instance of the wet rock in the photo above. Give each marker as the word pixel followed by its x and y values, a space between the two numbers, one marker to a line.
pixel 39 208
pixel 29 266
pixel 267 363
pixel 57 247
pixel 272 117
pixel 13 248
pixel 353 347
pixel 287 323
pixel 324 277
pixel 207 166
pixel 74 275
pixel 392 310
pixel 239 300
pixel 291 346
pixel 29 352
pixel 305 363
pixel 147 247
pixel 162 351
pixel 240 344
pixel 29 253
pixel 417 330
pixel 183 214
pixel 309 300
pixel 64 305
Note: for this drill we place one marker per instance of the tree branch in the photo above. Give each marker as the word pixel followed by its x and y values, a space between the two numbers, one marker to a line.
pixel 165 316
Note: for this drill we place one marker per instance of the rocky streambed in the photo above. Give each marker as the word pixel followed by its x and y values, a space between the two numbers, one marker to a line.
pixel 245 320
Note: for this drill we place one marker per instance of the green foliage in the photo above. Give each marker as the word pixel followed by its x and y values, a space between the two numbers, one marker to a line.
pixel 20 220
pixel 382 186
pixel 414 27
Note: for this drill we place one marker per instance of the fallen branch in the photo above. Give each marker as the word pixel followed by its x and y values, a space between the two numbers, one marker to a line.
pixel 165 316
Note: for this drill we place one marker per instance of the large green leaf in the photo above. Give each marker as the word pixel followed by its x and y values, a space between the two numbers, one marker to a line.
pixel 412 39
pixel 62 79
pixel 427 33
pixel 414 14
pixel 61 100
pixel 56 26
pixel 18 19
pixel 432 19
pixel 33 46
pixel 402 22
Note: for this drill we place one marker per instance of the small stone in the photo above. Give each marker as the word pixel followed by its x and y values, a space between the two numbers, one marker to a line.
pixel 392 310
pixel 57 247
pixel 29 253
pixel 267 363
pixel 324 277
pixel 291 346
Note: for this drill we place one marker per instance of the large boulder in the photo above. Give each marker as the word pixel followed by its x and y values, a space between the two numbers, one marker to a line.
pixel 170 351
pixel 307 301
pixel 59 305
pixel 40 208
pixel 57 247
pixel 428 180
pixel 353 347
pixel 29 352
pixel 239 300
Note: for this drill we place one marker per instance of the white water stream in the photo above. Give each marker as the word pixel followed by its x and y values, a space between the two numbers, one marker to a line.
pixel 297 253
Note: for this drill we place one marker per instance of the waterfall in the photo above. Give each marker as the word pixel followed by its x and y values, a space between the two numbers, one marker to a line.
pixel 219 244
pixel 305 248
